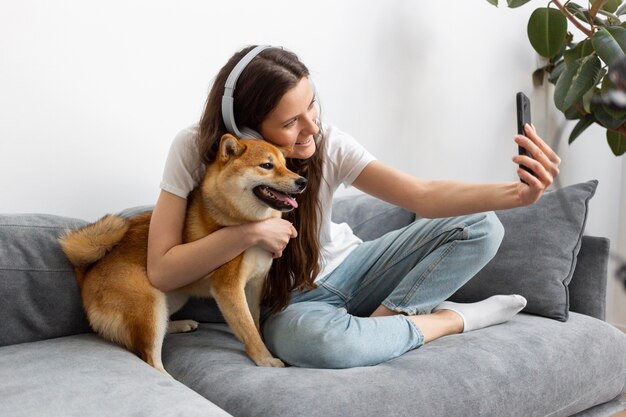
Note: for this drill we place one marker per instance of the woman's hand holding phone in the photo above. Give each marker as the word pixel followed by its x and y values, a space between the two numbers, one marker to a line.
pixel 538 163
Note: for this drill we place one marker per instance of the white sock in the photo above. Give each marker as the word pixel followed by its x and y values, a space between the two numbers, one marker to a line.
pixel 494 310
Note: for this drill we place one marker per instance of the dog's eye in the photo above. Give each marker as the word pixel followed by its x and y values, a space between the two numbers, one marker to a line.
pixel 267 165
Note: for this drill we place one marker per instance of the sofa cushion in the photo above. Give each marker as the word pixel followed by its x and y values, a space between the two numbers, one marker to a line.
pixel 85 376
pixel 37 285
pixel 537 257
pixel 529 366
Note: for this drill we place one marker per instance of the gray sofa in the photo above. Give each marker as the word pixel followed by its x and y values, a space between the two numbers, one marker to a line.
pixel 557 358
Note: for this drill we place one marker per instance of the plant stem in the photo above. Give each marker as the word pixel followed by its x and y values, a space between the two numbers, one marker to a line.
pixel 571 18
pixel 595 8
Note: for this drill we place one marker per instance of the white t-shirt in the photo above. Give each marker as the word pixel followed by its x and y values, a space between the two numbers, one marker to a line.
pixel 344 160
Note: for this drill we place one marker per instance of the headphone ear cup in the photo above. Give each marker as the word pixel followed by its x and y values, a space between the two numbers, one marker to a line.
pixel 247 133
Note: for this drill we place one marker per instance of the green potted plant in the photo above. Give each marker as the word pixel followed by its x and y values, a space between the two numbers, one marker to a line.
pixel 586 72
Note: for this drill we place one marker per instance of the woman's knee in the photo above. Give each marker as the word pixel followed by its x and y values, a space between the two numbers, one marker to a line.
pixel 311 336
pixel 493 231
pixel 485 229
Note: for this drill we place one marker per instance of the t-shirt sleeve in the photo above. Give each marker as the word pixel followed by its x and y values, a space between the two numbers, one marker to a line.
pixel 347 157
pixel 182 165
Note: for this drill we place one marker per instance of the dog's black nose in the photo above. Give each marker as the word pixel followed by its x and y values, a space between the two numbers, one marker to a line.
pixel 301 183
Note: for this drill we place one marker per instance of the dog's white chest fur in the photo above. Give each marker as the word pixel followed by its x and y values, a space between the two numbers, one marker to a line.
pixel 256 263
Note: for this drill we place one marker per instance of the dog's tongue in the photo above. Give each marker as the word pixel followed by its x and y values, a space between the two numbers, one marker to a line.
pixel 286 199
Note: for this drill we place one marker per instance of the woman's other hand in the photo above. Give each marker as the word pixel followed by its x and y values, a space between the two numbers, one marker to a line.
pixel 274 234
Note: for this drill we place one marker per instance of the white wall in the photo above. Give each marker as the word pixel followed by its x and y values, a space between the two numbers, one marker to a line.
pixel 91 93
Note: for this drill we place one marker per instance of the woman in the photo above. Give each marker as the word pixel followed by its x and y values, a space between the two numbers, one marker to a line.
pixel 333 300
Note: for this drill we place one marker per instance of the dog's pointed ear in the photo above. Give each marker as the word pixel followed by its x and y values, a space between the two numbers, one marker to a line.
pixel 285 150
pixel 229 147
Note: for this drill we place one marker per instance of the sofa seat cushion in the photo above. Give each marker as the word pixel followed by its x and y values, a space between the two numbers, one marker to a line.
pixel 83 376
pixel 530 366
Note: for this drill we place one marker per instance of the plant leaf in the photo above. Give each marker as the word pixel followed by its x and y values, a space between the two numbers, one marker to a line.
pixel 538 76
pixel 617 142
pixel 616 114
pixel 494 2
pixel 558 69
pixel 613 111
pixel 581 50
pixel 546 31
pixel 575 112
pixel 516 3
pixel 610 43
pixel 576 80
pixel 577 11
pixel 586 101
pixel 606 119
pixel 580 127
pixel 611 5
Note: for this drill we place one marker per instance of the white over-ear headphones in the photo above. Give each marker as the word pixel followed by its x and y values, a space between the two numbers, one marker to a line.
pixel 228 113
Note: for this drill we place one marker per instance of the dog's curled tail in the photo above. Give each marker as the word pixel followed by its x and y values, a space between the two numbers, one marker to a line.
pixel 90 243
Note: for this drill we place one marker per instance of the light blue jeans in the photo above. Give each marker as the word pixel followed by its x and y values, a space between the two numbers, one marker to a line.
pixel 410 270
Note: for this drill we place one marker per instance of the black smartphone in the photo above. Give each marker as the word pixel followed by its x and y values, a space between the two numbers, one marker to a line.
pixel 523 117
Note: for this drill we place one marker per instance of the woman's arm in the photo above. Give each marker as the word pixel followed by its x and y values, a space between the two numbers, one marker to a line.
pixel 172 264
pixel 451 198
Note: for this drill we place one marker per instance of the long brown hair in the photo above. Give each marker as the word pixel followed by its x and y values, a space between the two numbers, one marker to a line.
pixel 259 89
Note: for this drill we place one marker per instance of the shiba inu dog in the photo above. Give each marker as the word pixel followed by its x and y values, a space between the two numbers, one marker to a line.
pixel 248 181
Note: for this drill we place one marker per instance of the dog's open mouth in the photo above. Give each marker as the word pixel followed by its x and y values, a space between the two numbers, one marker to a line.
pixel 275 199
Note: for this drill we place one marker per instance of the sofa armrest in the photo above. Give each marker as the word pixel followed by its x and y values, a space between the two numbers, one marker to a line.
pixel 587 290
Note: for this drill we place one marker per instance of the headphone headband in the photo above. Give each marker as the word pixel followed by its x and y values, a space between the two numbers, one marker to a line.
pixel 228 112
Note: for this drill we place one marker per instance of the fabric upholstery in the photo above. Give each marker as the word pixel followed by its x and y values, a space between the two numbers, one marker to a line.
pixel 82 376
pixel 529 366
pixel 538 254
pixel 40 296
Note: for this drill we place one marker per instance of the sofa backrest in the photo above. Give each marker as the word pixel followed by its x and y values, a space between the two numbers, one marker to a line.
pixel 39 295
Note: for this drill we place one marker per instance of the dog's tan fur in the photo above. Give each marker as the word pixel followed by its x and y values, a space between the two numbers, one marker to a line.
pixel 110 257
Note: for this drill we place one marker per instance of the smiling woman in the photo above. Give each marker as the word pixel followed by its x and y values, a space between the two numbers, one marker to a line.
pixel 265 93
pixel 292 124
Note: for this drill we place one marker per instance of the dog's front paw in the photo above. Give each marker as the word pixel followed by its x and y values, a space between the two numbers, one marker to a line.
pixel 182 326
pixel 270 362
